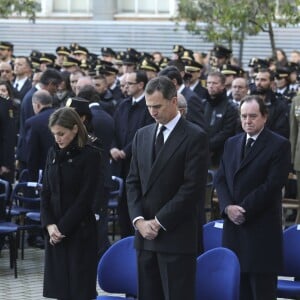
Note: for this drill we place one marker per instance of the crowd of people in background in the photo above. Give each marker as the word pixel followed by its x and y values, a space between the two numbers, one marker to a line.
pixel 107 90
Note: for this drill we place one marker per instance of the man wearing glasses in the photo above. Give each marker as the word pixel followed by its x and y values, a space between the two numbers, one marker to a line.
pixel 131 114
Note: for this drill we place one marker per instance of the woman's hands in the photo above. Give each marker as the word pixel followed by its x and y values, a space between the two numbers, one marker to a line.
pixel 55 234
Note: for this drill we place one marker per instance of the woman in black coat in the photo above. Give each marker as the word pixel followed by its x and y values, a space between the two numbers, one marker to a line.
pixel 70 181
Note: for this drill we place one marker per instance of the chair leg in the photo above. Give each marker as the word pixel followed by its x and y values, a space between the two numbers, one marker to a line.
pixel 22 244
pixel 13 253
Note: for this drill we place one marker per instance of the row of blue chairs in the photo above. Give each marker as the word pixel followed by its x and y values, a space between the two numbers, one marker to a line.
pixel 286 288
pixel 16 205
pixel 218 267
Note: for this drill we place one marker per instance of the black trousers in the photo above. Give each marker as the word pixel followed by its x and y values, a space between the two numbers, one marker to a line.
pixel 164 276
pixel 126 227
pixel 258 286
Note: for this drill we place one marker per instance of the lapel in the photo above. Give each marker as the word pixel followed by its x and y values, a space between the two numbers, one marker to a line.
pixel 257 147
pixel 173 142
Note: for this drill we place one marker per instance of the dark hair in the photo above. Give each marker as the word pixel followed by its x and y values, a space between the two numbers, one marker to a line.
pixel 178 64
pixel 27 60
pixel 262 106
pixel 173 73
pixel 162 84
pixel 100 77
pixel 218 74
pixel 67 117
pixel 51 76
pixel 65 75
pixel 271 73
pixel 8 87
pixel 89 93
pixel 141 76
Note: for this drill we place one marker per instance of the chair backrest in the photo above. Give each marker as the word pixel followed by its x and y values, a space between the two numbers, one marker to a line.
pixel 291 251
pixel 117 187
pixel 4 196
pixel 24 176
pixel 218 275
pixel 117 269
pixel 212 234
pixel 4 190
pixel 26 192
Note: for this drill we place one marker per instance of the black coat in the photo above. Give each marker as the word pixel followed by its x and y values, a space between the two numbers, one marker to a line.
pixel 195 108
pixel 104 128
pixel 254 183
pixel 128 119
pixel 200 90
pixel 221 116
pixel 25 88
pixel 69 185
pixel 38 139
pixel 26 111
pixel 7 137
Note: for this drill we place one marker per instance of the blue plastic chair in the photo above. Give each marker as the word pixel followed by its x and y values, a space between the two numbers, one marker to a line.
pixel 113 201
pixel 287 288
pixel 212 234
pixel 117 270
pixel 25 198
pixel 8 229
pixel 218 275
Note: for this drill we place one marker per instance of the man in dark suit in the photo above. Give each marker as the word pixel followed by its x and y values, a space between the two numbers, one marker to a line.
pixel 164 196
pixel 38 137
pixel 130 115
pixel 49 81
pixel 249 182
pixel 22 83
pixel 104 126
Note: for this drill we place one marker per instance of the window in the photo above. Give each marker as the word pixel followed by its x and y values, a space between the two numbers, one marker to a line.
pixel 72 6
pixel 145 6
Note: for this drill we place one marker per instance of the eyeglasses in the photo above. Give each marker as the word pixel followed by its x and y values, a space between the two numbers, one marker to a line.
pixel 5 71
pixel 131 83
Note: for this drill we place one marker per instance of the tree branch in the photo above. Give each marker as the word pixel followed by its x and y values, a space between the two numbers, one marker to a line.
pixel 260 26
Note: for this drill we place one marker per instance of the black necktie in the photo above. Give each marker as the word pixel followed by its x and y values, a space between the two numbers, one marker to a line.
pixel 249 143
pixel 159 142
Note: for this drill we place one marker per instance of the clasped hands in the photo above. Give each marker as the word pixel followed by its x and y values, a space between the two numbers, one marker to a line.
pixel 117 154
pixel 55 234
pixel 148 228
pixel 236 214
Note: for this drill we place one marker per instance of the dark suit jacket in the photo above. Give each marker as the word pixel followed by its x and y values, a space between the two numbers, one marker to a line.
pixel 104 128
pixel 7 138
pixel 171 188
pixel 200 90
pixel 195 108
pixel 38 139
pixel 26 111
pixel 25 88
pixel 128 119
pixel 255 183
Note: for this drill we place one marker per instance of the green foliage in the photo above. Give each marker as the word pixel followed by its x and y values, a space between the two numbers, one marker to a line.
pixel 226 21
pixel 25 8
